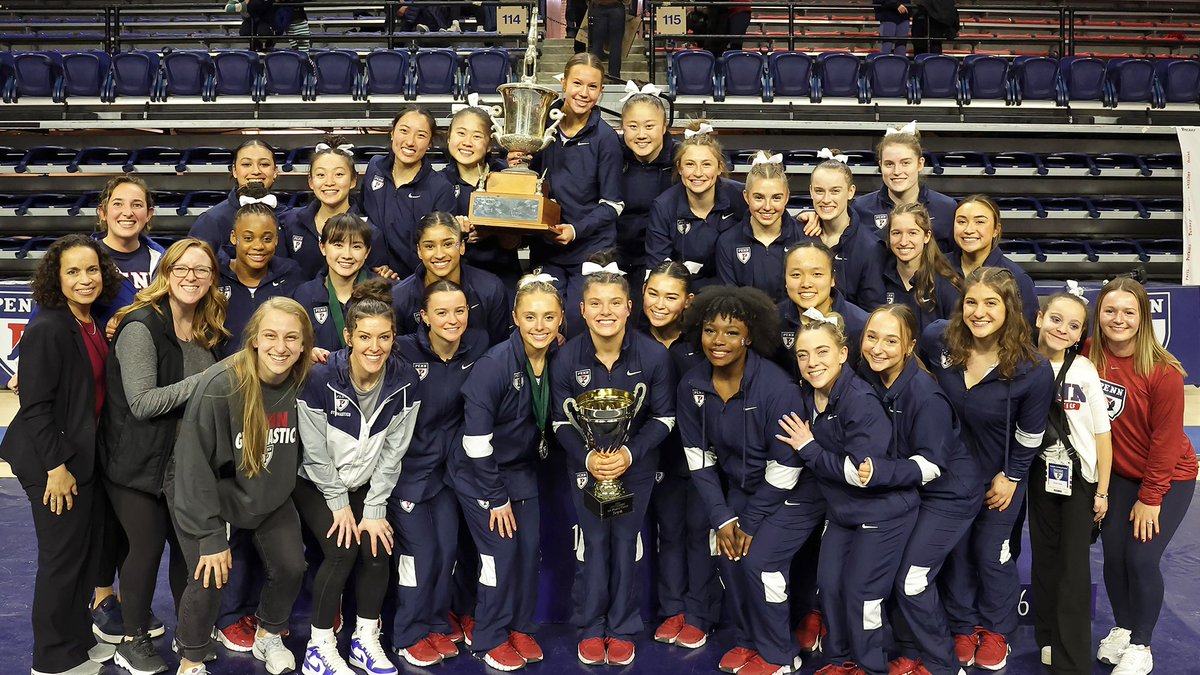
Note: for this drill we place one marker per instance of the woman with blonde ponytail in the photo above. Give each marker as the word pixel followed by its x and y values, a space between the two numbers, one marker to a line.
pixel 239 449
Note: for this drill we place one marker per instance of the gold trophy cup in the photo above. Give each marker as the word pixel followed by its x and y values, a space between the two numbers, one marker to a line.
pixel 602 417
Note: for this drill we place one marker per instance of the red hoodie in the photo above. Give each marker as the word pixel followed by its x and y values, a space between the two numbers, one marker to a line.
pixel 1149 444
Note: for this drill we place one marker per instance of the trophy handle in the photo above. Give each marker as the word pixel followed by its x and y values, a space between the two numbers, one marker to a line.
pixel 571 410
pixel 548 135
pixel 639 396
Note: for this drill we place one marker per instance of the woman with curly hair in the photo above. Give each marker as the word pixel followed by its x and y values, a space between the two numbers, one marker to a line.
pixel 1001 389
pixel 758 502
pixel 51 444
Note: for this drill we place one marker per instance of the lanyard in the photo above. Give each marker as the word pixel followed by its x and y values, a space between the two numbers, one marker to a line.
pixel 335 308
pixel 541 396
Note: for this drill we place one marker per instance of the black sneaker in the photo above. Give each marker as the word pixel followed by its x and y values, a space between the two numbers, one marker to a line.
pixel 109 625
pixel 138 656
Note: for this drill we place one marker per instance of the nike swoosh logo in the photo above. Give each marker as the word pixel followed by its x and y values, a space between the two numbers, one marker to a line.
pixel 473 306
pixel 753 407
pixel 787 502
pixel 726 216
pixel 870 527
pixel 277 282
pixel 412 196
pixel 583 143
pixel 631 373
pixel 467 365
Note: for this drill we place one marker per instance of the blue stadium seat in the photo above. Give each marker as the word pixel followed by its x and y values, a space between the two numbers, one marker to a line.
pixel 887 76
pixel 1162 246
pixel 1021 204
pixel 1074 161
pixel 790 75
pixel 287 72
pixel 964 159
pixel 486 69
pixel 364 153
pixel 1164 161
pixel 839 75
pixel 46 155
pixel 336 72
pixel 861 158
pixel 1074 205
pixel 167 200
pixel 387 72
pixel 99 157
pixel 741 73
pixel 1164 205
pixel 297 199
pixel 806 158
pixel 205 156
pixel 156 155
pixel 50 204
pixel 800 202
pixel 435 73
pixel 1034 78
pixel 301 155
pixel 1023 247
pixel 8 76
pixel 134 74
pixel 195 203
pixel 1129 81
pixel 237 73
pixel 1069 249
pixel 1017 160
pixel 936 76
pixel 986 78
pixel 1110 248
pixel 1120 161
pixel 1081 79
pixel 84 74
pixel 1178 80
pixel 37 75
pixel 1124 206
pixel 187 72
pixel 10 156
pixel 692 72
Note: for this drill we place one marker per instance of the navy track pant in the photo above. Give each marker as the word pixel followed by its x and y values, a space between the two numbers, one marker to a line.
pixel 695 593
pixel 425 547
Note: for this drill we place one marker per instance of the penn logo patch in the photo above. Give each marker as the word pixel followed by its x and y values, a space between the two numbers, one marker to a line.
pixel 1160 315
pixel 226 291
pixel 683 226
pixel 518 380
pixel 321 314
pixel 891 297
pixel 881 220
pixel 583 377
pixel 407 506
pixel 483 503
pixel 698 398
pixel 340 402
pixel 743 254
pixel 1115 395
pixel 422 369
pixel 297 242
pixel 658 476
pixel 945 358
pixel 580 479
pixel 789 338
pixel 376 182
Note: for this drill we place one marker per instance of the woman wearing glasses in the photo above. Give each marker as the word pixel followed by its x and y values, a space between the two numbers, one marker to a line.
pixel 163 342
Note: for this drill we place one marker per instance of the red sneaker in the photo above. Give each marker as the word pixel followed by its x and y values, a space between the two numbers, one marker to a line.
pixel 526 646
pixel 847 668
pixel 620 652
pixel 456 632
pixel 903 666
pixel 965 646
pixel 421 654
pixel 504 658
pixel 758 666
pixel 690 637
pixel 443 644
pixel 670 629
pixel 735 659
pixel 811 631
pixel 993 651
pixel 467 623
pixel 591 652
pixel 239 637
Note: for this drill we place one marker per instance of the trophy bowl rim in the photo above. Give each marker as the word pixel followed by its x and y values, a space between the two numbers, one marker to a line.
pixel 626 397
pixel 527 85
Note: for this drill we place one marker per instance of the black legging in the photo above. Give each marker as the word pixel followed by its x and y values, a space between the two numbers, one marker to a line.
pixel 372 579
pixel 147 525
pixel 1132 576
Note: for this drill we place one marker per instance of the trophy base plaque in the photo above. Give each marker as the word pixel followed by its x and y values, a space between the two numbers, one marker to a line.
pixel 512 200
pixel 605 504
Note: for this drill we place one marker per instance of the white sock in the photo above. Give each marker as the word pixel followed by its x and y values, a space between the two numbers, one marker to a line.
pixel 321 635
pixel 365 626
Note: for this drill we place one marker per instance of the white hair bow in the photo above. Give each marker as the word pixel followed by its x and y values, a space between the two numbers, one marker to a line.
pixel 826 153
pixel 472 102
pixel 705 128
pixel 345 148
pixel 631 89
pixel 910 128
pixel 763 158
pixel 534 278
pixel 269 200
pixel 590 268
pixel 558 77
pixel 815 314
pixel 1075 289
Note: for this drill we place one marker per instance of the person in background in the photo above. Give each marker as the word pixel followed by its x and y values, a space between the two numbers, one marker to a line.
pixel 933 23
pixel 51 445
pixel 163 343
pixel 1153 472
pixel 893 17
pixel 606 32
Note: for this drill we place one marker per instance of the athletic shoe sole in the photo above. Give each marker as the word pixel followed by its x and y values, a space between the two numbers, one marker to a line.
pixel 231 645
pixel 122 663
pixel 414 661
pixel 498 666
pixel 110 639
pixel 692 645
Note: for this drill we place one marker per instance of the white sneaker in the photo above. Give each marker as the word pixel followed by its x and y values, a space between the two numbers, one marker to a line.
pixel 194 670
pixel 270 650
pixel 322 658
pixel 1135 661
pixel 1112 646
pixel 1046 655
pixel 366 653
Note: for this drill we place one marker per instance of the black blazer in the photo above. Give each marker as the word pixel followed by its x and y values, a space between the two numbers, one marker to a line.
pixel 56 423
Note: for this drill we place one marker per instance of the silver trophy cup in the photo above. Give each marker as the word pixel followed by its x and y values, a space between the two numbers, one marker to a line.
pixel 602 417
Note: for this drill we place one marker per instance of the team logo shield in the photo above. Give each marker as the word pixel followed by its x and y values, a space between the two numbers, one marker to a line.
pixel 518 380
pixel 1115 395
pixel 881 220
pixel 789 338
pixel 683 226
pixel 377 182
pixel 583 377
pixel 226 291
pixel 698 397
pixel 891 297
pixel 422 369
pixel 1160 315
pixel 340 403
pixel 743 254
pixel 297 242
pixel 580 479
pixel 321 314
pixel 407 506
pixel 658 476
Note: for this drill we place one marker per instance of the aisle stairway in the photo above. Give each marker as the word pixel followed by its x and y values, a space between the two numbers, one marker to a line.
pixel 556 51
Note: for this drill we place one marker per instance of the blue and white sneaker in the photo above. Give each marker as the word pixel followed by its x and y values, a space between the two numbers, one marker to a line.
pixel 322 658
pixel 368 654
pixel 108 624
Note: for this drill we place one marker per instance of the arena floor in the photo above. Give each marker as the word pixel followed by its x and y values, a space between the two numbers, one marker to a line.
pixel 1176 644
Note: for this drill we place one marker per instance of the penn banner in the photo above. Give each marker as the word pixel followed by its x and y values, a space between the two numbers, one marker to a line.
pixel 1189 144
pixel 16 302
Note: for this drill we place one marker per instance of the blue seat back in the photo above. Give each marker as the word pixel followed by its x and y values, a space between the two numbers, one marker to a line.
pixel 85 73
pixel 236 73
pixel 37 73
pixel 986 77
pixel 839 74
pixel 336 72
pixel 436 70
pixel 286 72
pixel 487 69
pixel 1082 78
pixel 693 73
pixel 1036 78
pixel 888 75
pixel 791 73
pixel 1131 80
pixel 1179 79
pixel 937 76
pixel 742 73
pixel 134 74
pixel 187 72
pixel 387 72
